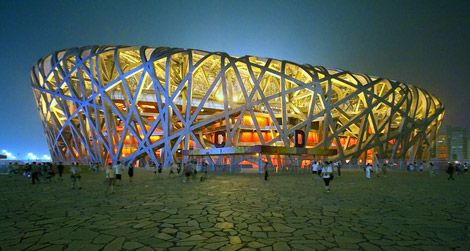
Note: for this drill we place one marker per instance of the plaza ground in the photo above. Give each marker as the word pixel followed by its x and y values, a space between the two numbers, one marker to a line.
pixel 404 211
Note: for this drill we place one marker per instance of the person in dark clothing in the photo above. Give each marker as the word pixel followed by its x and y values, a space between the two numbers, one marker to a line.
pixel 204 171
pixel 338 166
pixel 178 169
pixel 194 168
pixel 35 170
pixel 187 172
pixel 450 171
pixel 60 168
pixel 130 172
pixel 266 174
pixel 49 172
pixel 160 168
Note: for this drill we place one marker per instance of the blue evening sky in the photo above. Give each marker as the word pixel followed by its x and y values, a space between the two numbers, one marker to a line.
pixel 425 43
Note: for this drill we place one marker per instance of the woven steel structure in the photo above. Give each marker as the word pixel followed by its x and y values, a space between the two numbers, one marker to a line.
pixel 132 103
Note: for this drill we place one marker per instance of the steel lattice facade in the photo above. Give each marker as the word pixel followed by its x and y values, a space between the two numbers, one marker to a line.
pixel 115 102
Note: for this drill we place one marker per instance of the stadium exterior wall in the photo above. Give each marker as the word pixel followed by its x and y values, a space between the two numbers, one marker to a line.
pixel 108 103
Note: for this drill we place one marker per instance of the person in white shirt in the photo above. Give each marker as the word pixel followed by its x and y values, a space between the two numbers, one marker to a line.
pixel 75 175
pixel 327 175
pixel 368 169
pixel 314 167
pixel 118 172
pixel 110 177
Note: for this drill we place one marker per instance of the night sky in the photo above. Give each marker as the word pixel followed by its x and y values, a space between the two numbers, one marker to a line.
pixel 423 43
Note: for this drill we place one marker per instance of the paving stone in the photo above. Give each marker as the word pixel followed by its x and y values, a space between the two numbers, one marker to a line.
pixel 343 239
pixel 259 235
pixel 266 249
pixel 232 247
pixel 196 237
pixel 189 243
pixel 131 245
pixel 169 230
pixel 207 234
pixel 122 231
pixel 38 247
pixel 267 228
pixel 283 228
pixel 224 225
pixel 306 248
pixel 83 234
pixel 369 246
pixel 206 225
pixel 225 213
pixel 159 244
pixel 175 221
pixel 255 244
pixel 217 239
pixel 215 245
pixel 281 246
pixel 145 249
pixel 187 229
pixel 33 233
pixel 235 240
pixel 143 224
pixel 254 228
pixel 180 248
pixel 116 244
pixel 193 223
pixel 76 245
pixel 55 248
pixel 293 210
pixel 164 236
pixel 181 235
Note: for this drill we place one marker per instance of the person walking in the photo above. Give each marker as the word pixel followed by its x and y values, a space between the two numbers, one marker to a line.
pixel 160 168
pixel 327 174
pixel 450 171
pixel 377 168
pixel 385 169
pixel 75 176
pixel 35 170
pixel 60 169
pixel 338 167
pixel 118 172
pixel 315 168
pixel 266 174
pixel 187 171
pixel 178 168
pixel 95 167
pixel 194 168
pixel 368 170
pixel 204 171
pixel 110 178
pixel 130 171
pixel 154 168
pixel 432 169
pixel 425 166
pixel 172 169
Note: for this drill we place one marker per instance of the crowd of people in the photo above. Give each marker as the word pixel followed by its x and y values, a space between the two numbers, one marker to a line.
pixel 325 170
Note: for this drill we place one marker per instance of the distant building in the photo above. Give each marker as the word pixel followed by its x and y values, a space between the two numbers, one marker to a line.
pixel 452 144
pixel 442 147
pixel 468 148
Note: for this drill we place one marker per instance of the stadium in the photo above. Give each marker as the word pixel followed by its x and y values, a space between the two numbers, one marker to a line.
pixel 149 105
